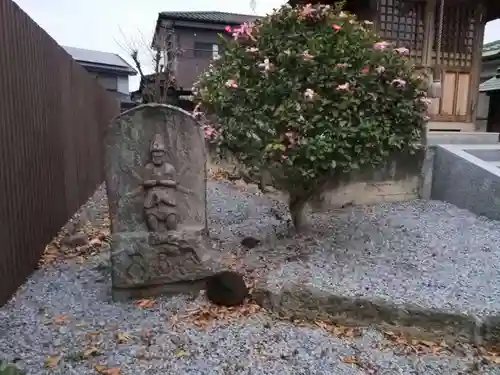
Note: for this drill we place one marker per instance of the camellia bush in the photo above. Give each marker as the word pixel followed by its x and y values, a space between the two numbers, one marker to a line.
pixel 310 93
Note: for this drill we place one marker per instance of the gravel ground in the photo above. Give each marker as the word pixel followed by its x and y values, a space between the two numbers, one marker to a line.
pixel 64 310
pixel 430 254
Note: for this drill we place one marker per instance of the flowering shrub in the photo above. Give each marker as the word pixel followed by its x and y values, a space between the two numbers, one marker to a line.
pixel 309 93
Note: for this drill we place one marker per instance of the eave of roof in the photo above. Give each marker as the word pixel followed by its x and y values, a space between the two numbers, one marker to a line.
pixel 223 18
pixel 91 66
pixel 493 84
pixel 492 6
pixel 100 60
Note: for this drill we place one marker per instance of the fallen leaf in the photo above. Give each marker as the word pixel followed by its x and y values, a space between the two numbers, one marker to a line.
pixel 123 337
pixel 95 242
pixel 350 360
pixel 493 359
pixel 59 319
pixel 52 360
pixel 145 303
pixel 180 353
pixel 91 352
pixel 107 371
pixel 92 334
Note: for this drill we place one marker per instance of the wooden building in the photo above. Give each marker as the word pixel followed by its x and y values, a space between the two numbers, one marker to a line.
pixel 445 36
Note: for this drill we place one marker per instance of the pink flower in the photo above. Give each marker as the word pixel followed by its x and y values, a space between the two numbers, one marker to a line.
pixel 336 27
pixel 381 45
pixel 209 131
pixel 291 137
pixel 398 82
pixel 343 87
pixel 340 65
pixel 307 10
pixel 228 29
pixel 365 70
pixel 283 157
pixel 307 56
pixel 309 94
pixel 402 50
pixel 244 31
pixel 231 83
pixel 380 69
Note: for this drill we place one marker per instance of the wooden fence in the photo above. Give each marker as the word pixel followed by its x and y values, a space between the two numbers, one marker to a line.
pixel 52 119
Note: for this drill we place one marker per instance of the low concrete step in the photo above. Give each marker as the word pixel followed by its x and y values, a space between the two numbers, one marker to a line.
pixel 472 138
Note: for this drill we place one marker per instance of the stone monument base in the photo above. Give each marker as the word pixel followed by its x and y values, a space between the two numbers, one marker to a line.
pixel 149 264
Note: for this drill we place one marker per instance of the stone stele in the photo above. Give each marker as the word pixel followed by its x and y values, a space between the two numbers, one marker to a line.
pixel 156 184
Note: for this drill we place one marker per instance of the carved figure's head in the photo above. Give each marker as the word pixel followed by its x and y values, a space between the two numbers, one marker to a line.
pixel 157 150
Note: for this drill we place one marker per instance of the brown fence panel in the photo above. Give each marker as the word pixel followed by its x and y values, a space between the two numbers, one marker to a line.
pixel 52 119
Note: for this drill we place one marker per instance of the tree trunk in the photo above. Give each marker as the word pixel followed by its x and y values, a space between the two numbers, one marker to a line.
pixel 296 205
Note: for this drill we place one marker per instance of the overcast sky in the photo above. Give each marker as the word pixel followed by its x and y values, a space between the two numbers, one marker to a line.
pixel 112 25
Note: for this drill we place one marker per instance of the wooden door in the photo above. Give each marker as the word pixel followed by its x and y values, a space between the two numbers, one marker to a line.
pixel 458 66
pixel 455 103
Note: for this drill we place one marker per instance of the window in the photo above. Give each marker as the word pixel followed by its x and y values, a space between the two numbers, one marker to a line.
pixel 206 50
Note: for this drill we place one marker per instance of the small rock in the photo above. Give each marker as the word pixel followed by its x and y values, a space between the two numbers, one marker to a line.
pixel 75 240
pixel 227 288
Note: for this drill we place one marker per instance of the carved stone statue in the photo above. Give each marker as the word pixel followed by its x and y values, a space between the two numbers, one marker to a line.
pixel 160 188
pixel 157 203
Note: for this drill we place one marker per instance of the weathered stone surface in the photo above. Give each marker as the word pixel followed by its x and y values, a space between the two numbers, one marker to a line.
pixel 490 332
pixel 138 261
pixel 299 300
pixel 156 183
pixel 127 149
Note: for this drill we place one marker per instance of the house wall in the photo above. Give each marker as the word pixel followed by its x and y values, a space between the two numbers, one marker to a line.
pixel 122 85
pixel 189 64
pixel 112 82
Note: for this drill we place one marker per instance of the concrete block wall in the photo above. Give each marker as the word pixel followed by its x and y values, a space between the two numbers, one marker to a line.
pixel 404 177
pixel 467 181
pixel 443 138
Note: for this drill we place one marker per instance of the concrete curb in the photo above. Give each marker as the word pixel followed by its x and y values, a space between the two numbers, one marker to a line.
pixel 308 303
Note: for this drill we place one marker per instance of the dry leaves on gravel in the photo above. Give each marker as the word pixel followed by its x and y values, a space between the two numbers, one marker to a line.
pixel 206 314
pixel 52 361
pixel 56 250
pixel 217 174
pixel 107 371
pixel 145 303
pixel 338 330
pixel 410 345
pixel 490 356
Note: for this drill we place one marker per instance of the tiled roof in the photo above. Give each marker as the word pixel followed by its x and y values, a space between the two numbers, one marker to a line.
pixel 209 16
pixel 100 59
pixel 491 49
pixel 493 84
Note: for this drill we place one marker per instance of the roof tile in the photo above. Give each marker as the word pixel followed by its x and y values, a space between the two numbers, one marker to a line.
pixel 97 57
pixel 209 16
pixel 493 84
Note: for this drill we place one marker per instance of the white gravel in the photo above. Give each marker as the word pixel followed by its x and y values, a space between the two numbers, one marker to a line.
pixel 429 254
pixel 258 344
